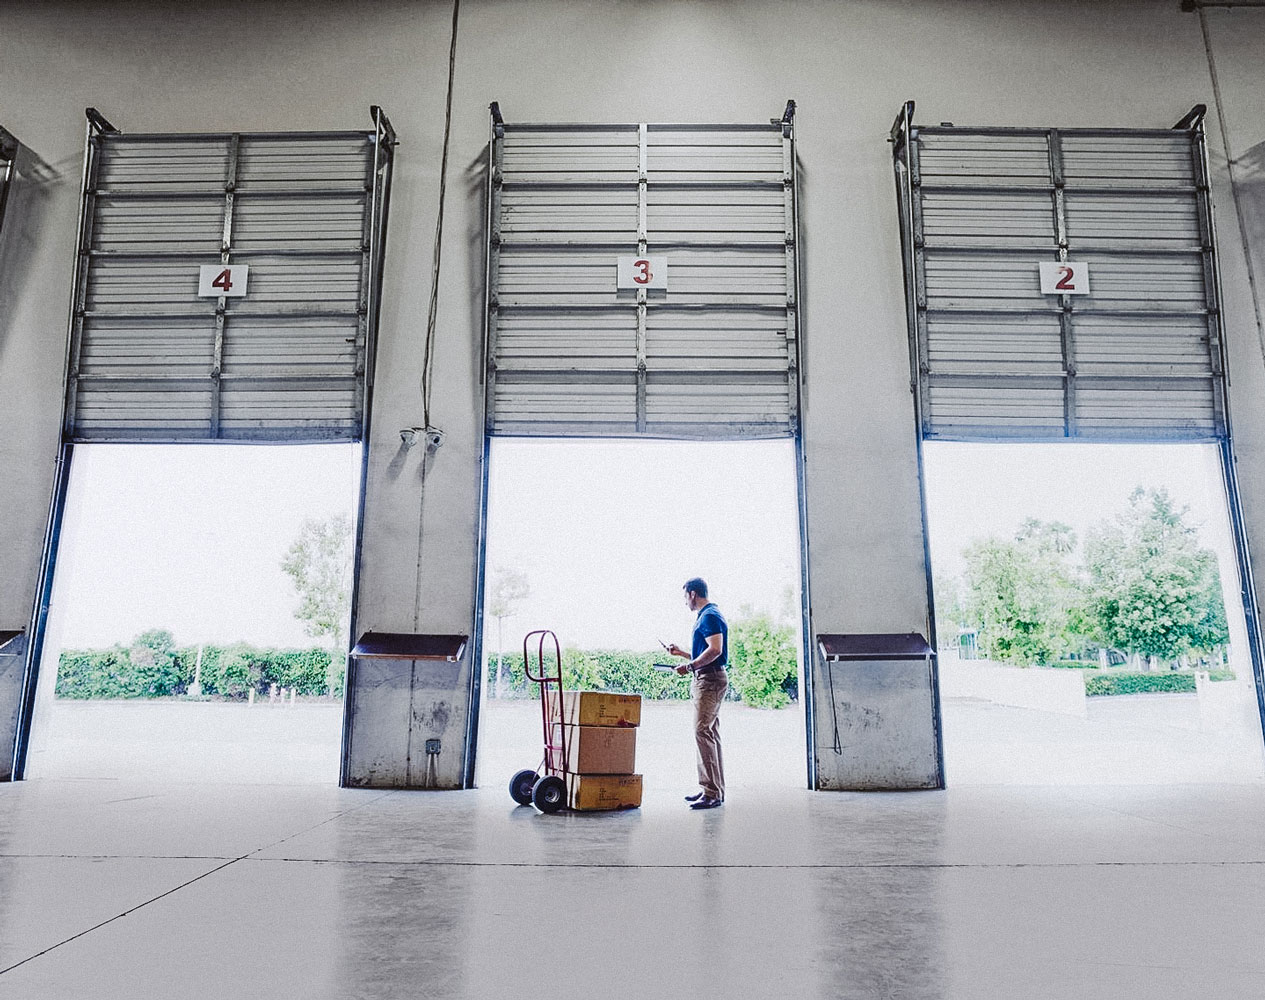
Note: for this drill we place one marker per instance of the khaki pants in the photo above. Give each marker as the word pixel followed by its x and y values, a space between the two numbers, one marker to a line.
pixel 707 692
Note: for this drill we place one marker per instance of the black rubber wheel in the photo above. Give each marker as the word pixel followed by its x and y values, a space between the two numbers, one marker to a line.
pixel 521 785
pixel 549 794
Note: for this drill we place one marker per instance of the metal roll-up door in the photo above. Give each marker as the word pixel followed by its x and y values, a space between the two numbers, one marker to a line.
pixel 712 355
pixel 1139 357
pixel 304 213
pixel 8 154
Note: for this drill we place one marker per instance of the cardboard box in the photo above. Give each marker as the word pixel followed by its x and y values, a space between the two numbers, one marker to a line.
pixel 598 749
pixel 601 708
pixel 604 791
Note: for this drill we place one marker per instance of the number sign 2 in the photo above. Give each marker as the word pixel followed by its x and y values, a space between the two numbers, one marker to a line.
pixel 228 280
pixel 642 272
pixel 1062 277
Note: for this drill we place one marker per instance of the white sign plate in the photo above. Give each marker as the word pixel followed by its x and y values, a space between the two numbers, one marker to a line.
pixel 642 272
pixel 1062 277
pixel 228 280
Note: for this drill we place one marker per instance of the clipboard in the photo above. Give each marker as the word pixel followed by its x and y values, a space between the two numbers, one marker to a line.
pixel 667 668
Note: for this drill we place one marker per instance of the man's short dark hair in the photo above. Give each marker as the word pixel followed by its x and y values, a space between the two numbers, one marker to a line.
pixel 697 585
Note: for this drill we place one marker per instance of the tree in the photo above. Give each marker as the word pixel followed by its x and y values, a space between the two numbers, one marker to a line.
pixel 319 562
pixel 1021 594
pixel 506 590
pixel 1152 589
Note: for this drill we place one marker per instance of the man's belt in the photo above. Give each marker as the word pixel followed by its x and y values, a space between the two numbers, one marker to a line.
pixel 710 668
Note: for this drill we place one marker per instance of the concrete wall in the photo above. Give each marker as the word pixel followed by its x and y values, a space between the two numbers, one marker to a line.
pixel 315 65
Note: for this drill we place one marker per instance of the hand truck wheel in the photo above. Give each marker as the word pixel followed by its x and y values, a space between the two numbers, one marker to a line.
pixel 549 794
pixel 521 785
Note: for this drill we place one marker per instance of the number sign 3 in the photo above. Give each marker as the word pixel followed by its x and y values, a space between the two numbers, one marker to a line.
pixel 1062 277
pixel 228 280
pixel 642 272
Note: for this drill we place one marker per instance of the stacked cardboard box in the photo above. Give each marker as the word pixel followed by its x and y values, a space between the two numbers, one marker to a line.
pixel 601 738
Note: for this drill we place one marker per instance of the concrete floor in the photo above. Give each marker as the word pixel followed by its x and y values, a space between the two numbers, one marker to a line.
pixel 112 889
pixel 192 884
pixel 1134 740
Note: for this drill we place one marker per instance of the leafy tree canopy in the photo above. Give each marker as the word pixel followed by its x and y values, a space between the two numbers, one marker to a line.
pixel 1152 589
pixel 319 562
pixel 1145 586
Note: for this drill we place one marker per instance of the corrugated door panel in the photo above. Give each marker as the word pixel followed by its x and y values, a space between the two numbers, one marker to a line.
pixel 551 278
pixel 275 346
pixel 687 155
pixel 327 285
pixel 159 225
pixel 559 156
pixel 143 412
pixel 1009 344
pixel 1124 345
pixel 1160 285
pixel 968 159
pixel 954 218
pixel 1182 409
pixel 1145 162
pixel 572 354
pixel 677 215
pixel 140 347
pixel 319 163
pixel 158 166
pixel 579 215
pixel 732 341
pixel 568 341
pixel 689 408
pixel 320 224
pixel 990 206
pixel 984 281
pixel 290 362
pixel 542 406
pixel 147 287
pixel 314 412
pixel 1154 222
pixel 990 410
pixel 727 277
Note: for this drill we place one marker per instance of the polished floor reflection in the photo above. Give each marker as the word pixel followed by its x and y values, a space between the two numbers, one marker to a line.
pixel 117 889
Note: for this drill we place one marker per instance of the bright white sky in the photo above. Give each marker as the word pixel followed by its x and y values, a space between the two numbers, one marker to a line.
pixel 608 531
pixel 978 490
pixel 190 538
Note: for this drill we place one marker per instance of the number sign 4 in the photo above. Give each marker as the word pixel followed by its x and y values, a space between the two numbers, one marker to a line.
pixel 228 280
pixel 1062 277
pixel 642 272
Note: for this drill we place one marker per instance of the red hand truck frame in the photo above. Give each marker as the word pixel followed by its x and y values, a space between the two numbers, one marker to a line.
pixel 545 787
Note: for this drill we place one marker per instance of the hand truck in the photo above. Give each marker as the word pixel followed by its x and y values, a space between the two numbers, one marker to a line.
pixel 545 787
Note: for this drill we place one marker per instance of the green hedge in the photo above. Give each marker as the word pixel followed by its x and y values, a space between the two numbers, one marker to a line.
pixel 595 670
pixel 153 668
pixel 1100 684
pixel 762 674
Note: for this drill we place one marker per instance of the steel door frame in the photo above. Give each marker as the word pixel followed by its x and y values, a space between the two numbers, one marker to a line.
pixel 384 142
pixel 907 209
pixel 491 207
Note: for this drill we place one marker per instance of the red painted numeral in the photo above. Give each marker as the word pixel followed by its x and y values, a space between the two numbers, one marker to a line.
pixel 1065 282
pixel 224 280
pixel 644 276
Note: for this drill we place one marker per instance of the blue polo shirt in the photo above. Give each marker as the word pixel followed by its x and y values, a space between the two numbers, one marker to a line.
pixel 711 622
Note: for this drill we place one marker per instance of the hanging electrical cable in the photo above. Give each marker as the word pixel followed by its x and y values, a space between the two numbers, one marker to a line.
pixel 433 435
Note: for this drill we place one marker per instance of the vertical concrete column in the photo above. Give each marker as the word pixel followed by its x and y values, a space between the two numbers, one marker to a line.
pixel 867 571
pixel 36 238
pixel 422 508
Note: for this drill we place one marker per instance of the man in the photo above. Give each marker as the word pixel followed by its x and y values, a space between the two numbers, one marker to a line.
pixel 706 661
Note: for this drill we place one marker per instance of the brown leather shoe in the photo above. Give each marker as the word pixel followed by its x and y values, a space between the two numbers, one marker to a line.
pixel 706 803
